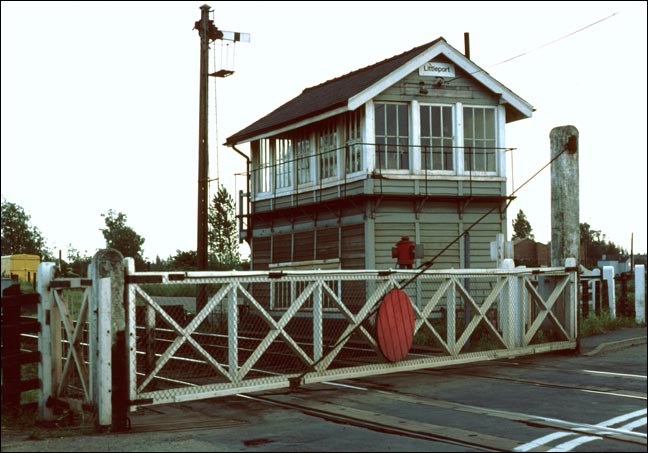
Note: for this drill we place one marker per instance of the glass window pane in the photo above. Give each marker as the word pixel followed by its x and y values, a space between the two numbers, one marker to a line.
pixel 436 161
pixel 490 161
pixel 404 159
pixel 490 124
pixel 403 120
pixel 436 121
pixel 479 123
pixel 468 122
pixel 447 122
pixel 394 133
pixel 447 153
pixel 380 119
pixel 425 121
pixel 391 119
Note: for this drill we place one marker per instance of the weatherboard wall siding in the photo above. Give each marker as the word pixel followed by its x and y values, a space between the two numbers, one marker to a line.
pixel 348 238
pixel 461 88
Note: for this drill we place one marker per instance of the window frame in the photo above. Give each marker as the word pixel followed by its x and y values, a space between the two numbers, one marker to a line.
pixel 486 151
pixel 398 137
pixel 452 138
pixel 328 127
pixel 353 149
pixel 283 165
pixel 263 180
pixel 309 156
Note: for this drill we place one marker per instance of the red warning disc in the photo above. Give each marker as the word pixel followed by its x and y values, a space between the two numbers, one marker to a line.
pixel 395 325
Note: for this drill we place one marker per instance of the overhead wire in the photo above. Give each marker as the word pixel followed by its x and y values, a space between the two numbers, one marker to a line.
pixel 540 47
pixel 557 39
pixel 425 266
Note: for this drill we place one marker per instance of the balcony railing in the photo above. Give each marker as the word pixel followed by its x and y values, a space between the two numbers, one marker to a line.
pixel 349 163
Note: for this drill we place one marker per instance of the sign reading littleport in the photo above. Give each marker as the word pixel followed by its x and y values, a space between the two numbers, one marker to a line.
pixel 437 69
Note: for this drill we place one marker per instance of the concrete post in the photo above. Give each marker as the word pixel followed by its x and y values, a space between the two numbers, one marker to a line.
pixel 110 384
pixel 608 274
pixel 565 227
pixel 640 293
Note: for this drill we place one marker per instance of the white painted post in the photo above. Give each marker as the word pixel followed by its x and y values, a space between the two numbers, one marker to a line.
pixel 451 314
pixel 640 293
pixel 369 136
pixel 509 306
pixel 459 137
pixel 593 291
pixel 93 314
pixel 318 333
pixel 524 309
pixel 608 274
pixel 497 250
pixel 131 334
pixel 232 332
pixel 47 338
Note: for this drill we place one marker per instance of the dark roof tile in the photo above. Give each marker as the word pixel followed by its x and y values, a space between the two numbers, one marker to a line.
pixel 326 96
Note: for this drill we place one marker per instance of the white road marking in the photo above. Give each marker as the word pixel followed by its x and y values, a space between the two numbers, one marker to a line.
pixel 622 418
pixel 638 376
pixel 630 426
pixel 542 440
pixel 615 394
pixel 339 384
pixel 569 445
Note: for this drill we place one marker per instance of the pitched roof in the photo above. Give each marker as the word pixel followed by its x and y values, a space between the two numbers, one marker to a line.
pixel 339 93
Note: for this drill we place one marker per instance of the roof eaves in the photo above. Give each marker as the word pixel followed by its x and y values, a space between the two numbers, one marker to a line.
pixel 287 126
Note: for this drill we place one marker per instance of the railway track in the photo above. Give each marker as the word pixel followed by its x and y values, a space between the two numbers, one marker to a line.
pixel 347 407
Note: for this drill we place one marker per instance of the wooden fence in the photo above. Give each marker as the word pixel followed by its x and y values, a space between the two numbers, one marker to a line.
pixel 14 356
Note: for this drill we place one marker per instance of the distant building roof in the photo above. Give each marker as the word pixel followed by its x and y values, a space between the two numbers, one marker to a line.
pixel 350 91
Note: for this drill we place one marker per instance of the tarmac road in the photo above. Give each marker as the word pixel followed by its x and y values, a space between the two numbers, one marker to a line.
pixel 591 401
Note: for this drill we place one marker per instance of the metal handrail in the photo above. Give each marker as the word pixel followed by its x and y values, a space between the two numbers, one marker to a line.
pixel 318 181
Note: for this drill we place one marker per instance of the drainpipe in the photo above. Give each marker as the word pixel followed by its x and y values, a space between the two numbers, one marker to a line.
pixel 248 163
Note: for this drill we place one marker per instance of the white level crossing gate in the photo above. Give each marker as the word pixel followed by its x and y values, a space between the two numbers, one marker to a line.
pixel 193 335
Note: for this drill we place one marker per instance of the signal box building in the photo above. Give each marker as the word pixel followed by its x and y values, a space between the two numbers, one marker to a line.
pixel 410 146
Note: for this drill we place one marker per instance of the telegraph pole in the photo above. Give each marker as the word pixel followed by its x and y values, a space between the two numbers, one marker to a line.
pixel 208 32
pixel 203 26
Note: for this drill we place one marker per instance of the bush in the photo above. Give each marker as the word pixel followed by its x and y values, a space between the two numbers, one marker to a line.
pixel 594 326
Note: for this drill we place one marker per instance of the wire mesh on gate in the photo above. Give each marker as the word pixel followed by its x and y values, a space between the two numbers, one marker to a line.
pixel 259 330
pixel 72 302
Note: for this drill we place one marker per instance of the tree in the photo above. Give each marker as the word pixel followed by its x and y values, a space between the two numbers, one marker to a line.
pixel 594 245
pixel 522 227
pixel 121 237
pixel 77 264
pixel 222 237
pixel 18 235
pixel 183 261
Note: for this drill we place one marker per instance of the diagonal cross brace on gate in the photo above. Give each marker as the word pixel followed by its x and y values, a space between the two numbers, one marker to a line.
pixel 320 330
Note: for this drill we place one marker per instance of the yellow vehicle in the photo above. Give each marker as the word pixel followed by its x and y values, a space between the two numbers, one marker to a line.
pixel 21 266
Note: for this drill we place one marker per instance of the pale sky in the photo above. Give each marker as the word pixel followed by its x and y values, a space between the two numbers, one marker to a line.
pixel 100 101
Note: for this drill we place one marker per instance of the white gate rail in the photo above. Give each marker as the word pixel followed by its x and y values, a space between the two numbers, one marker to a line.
pixel 237 340
pixel 192 335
